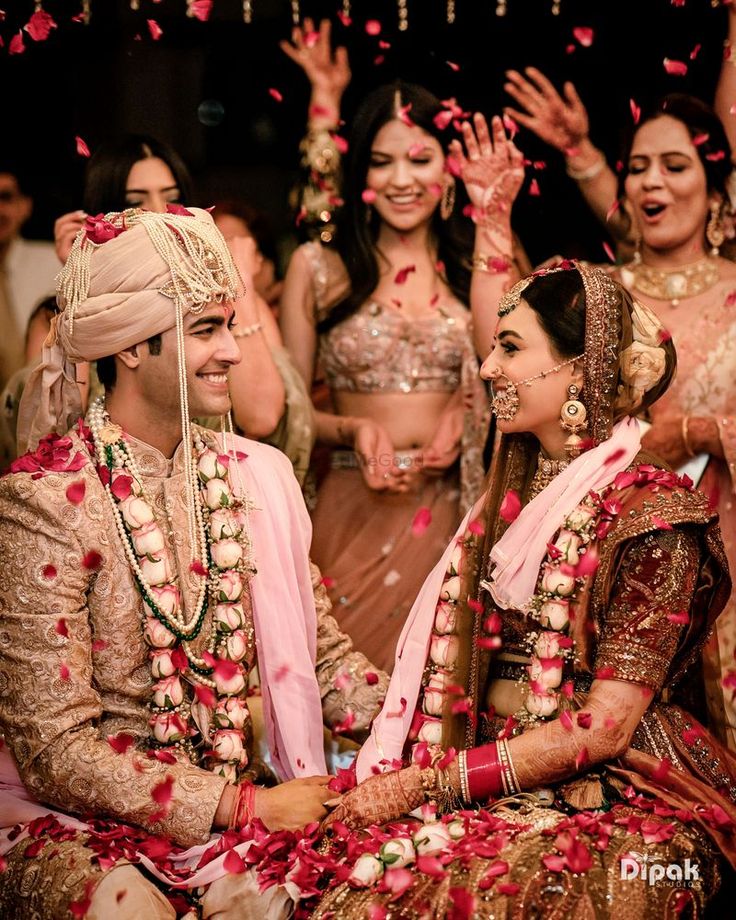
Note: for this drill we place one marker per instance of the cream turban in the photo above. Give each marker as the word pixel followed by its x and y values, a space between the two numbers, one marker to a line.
pixel 126 278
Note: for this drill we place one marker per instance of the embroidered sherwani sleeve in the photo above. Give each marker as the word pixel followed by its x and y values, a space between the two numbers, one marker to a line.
pixel 50 710
pixel 348 682
pixel 640 629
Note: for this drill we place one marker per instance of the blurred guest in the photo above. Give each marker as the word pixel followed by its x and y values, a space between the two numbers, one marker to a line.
pixel 236 217
pixel 27 270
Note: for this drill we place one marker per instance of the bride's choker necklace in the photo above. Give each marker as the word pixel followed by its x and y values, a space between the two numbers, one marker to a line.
pixel 675 284
pixel 547 469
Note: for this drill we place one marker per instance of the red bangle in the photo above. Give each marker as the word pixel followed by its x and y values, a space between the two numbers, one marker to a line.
pixel 244 809
pixel 484 773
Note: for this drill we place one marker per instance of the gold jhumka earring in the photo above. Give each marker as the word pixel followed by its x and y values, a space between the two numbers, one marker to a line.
pixel 447 201
pixel 573 418
pixel 714 231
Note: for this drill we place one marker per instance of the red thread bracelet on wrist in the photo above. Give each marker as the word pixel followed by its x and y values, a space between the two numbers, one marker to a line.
pixel 244 809
pixel 484 773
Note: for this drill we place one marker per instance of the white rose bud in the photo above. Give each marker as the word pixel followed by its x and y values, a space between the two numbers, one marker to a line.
pixel 236 646
pixel 366 871
pixel 168 727
pixel 227 745
pixel 431 839
pixel 210 467
pixel 226 554
pixel 397 853
pixel 578 518
pixel 157 635
pixel 229 617
pixel 439 680
pixel 230 686
pixel 445 618
pixel 167 597
pixel 232 713
pixel 229 587
pixel 569 543
pixel 456 560
pixel 556 582
pixel 450 589
pixel 225 524
pixel 227 770
pixel 161 663
pixel 456 830
pixel 548 678
pixel 148 540
pixel 156 571
pixel 217 494
pixel 432 702
pixel 443 650
pixel 547 645
pixel 431 731
pixel 555 614
pixel 136 512
pixel 541 704
pixel 168 692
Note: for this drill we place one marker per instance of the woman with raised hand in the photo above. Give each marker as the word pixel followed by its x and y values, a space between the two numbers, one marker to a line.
pixel 537 714
pixel 385 313
pixel 676 164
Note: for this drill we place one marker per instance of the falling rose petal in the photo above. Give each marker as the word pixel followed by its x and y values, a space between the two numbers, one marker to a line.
pixel 201 9
pixel 162 792
pixel 92 560
pixel 584 35
pixel 403 273
pixel 534 188
pixel 510 506
pixel 716 156
pixel 39 26
pixel 453 66
pixel 49 572
pixel 476 528
pixel 368 195
pixel 700 139
pixel 61 628
pixel 198 568
pixel 16 45
pixel 681 619
pixel 635 111
pixel 397 881
pixel 344 19
pixel 347 723
pixel 82 148
pixel 205 695
pixel 609 252
pixel 442 119
pixel 588 564
pixel 373 27
pixel 553 862
pixel 275 94
pixel 570 48
pixel 675 68
pixel 566 720
pixel 403 114
pixel 64 671
pixel 463 904
pixel 430 865
pixel 155 29
pixel 328 582
pixel 121 487
pixel 233 863
pixel 584 719
pixel 81 907
pixel 582 760
pixel 340 143
pixel 75 492
pixel 422 520
pixel 371 678
pixel 121 742
pixel 613 209
pixel 660 523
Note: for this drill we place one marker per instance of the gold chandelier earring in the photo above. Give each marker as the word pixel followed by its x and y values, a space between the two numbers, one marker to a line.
pixel 573 419
pixel 714 230
pixel 447 201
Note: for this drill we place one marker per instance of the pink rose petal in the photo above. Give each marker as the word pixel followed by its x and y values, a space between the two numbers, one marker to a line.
pixel 39 26
pixel 201 9
pixel 155 29
pixel 635 111
pixel 275 94
pixel 16 45
pixel 121 742
pixel 422 520
pixel 61 628
pixel 368 195
pixel 675 68
pixel 584 35
pixel 233 863
pixel 82 148
pixel 373 27
pixel 403 273
pixel 510 506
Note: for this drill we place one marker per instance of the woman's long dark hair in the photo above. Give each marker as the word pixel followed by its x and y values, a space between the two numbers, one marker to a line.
pixel 701 123
pixel 358 224
pixel 108 170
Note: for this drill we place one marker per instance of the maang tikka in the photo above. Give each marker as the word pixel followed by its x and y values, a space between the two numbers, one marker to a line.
pixel 573 418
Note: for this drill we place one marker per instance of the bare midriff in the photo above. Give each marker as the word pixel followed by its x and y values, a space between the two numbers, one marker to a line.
pixel 506 696
pixel 409 419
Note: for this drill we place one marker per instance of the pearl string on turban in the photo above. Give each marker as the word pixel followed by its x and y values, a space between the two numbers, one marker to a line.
pixel 130 276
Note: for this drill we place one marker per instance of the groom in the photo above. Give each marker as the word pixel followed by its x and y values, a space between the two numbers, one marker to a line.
pixel 149 565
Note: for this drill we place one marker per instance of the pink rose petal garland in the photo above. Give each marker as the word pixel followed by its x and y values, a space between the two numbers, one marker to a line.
pixel 209 722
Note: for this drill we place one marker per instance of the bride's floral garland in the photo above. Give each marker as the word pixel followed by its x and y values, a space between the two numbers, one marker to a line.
pixel 569 562
pixel 223 561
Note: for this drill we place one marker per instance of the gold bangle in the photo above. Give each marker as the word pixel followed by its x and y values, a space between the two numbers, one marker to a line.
pixel 590 172
pixel 462 762
pixel 492 265
pixel 247 330
pixel 688 449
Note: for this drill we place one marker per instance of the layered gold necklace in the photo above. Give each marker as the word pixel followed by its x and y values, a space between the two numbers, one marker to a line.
pixel 675 284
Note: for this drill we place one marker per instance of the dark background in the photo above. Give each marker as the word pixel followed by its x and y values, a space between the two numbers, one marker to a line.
pixel 110 77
